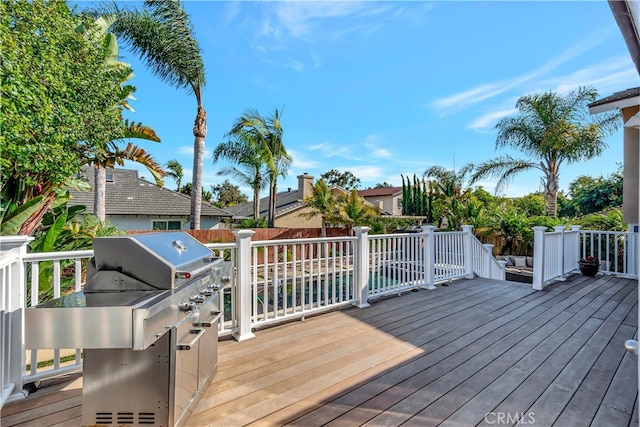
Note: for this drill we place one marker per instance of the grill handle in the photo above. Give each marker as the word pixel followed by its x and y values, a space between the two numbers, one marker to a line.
pixel 188 345
pixel 209 323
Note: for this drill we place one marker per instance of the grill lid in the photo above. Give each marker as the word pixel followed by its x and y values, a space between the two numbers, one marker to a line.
pixel 158 259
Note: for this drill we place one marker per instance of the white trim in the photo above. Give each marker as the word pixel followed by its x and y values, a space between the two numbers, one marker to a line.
pixel 633 122
pixel 619 104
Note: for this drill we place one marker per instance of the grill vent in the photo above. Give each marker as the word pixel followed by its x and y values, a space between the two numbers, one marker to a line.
pixel 128 418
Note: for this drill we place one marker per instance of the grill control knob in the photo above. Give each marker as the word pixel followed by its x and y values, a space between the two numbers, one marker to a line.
pixel 226 279
pixel 213 287
pixel 197 298
pixel 207 292
pixel 187 306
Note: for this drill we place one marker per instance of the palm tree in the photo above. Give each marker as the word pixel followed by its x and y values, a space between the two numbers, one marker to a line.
pixel 110 153
pixel 243 150
pixel 551 129
pixel 175 172
pixel 449 185
pixel 267 135
pixel 321 202
pixel 354 210
pixel 162 36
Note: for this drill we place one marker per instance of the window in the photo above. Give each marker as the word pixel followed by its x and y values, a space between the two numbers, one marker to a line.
pixel 166 225
pixel 399 202
pixel 109 177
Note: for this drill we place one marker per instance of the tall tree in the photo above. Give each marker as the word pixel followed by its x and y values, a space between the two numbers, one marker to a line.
pixel 345 179
pixel 266 133
pixel 550 129
pixel 175 172
pixel 450 186
pixel 161 34
pixel 227 194
pixel 58 105
pixel 322 202
pixel 243 150
pixel 110 154
pixel 354 210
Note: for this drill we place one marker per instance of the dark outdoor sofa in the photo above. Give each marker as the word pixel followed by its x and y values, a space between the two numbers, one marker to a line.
pixel 518 268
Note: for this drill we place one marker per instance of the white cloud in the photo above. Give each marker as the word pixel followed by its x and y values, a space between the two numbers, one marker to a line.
pixel 488 120
pixel 365 173
pixel 300 162
pixel 329 150
pixel 482 92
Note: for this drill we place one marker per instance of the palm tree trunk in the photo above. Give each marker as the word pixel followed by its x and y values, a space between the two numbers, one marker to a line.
pixel 551 188
pixel 199 132
pixel 256 203
pixel 99 196
pixel 272 204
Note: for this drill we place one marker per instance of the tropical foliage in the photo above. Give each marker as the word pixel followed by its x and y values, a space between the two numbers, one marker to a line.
pixel 345 179
pixel 242 149
pixel 58 104
pixel 550 130
pixel 227 194
pixel 262 139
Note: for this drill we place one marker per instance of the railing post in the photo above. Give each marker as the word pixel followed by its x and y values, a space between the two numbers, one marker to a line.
pixel 632 260
pixel 429 256
pixel 538 257
pixel 468 251
pixel 243 284
pixel 561 229
pixel 488 248
pixel 362 267
pixel 576 246
pixel 12 300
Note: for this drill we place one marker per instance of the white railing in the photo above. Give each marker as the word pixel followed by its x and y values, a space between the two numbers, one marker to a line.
pixel 272 281
pixel 484 263
pixel 11 316
pixel 616 250
pixel 291 278
pixel 556 253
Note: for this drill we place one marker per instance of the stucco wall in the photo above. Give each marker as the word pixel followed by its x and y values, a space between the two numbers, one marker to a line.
pixel 129 222
pixel 631 170
pixel 293 219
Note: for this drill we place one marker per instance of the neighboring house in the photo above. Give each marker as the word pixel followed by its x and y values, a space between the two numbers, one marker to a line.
pixel 290 207
pixel 627 15
pixel 388 199
pixel 133 203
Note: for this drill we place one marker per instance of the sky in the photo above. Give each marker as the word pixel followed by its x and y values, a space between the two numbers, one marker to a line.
pixel 381 89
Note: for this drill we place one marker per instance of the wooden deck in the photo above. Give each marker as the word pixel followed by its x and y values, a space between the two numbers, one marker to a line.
pixel 475 352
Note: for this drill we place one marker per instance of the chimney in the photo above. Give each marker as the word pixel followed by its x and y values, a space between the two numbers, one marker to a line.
pixel 305 184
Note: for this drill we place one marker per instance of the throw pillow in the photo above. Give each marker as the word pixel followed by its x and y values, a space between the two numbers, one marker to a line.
pixel 520 261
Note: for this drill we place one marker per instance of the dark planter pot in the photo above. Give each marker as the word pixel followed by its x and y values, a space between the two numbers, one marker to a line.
pixel 589 269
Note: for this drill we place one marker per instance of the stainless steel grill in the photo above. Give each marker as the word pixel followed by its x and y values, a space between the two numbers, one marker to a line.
pixel 148 322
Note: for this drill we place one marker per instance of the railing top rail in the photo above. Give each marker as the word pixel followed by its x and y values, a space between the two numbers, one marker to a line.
pixel 53 256
pixel 621 233
pixel 220 246
pixel 9 257
pixel 303 241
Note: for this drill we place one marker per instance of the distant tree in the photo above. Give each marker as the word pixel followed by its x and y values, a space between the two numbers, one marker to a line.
pixel 345 179
pixel 227 194
pixel 174 171
pixel 550 129
pixel 530 205
pixel 266 134
pixel 590 194
pixel 383 185
pixel 243 149
pixel 353 210
pixel 453 197
pixel 187 189
pixel 322 202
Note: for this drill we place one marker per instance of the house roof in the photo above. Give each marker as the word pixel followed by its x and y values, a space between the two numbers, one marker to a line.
pixel 286 201
pixel 627 15
pixel 128 194
pixel 622 99
pixel 377 192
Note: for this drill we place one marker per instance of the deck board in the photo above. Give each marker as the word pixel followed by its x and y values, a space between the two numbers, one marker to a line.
pixel 444 357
